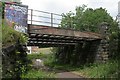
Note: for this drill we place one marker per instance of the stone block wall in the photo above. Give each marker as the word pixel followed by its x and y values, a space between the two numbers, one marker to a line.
pixel 103 51
pixel 102 54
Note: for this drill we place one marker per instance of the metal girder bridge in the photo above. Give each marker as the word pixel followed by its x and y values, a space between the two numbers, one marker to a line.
pixel 54 36
pixel 43 31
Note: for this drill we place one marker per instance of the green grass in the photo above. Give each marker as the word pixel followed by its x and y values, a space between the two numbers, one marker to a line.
pixel 38 74
pixel 47 58
pixel 38 56
pixel 58 66
pixel 45 50
pixel 35 73
pixel 99 70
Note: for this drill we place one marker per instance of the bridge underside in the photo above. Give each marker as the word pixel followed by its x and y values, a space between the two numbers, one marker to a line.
pixel 45 36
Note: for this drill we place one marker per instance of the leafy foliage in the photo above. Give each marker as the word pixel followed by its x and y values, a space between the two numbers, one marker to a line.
pixel 14 62
pixel 87 19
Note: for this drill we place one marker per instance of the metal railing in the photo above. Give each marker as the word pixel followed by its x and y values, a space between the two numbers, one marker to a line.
pixel 36 17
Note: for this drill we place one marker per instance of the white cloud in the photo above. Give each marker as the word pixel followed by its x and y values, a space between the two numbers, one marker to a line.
pixel 110 5
pixel 56 6
pixel 64 6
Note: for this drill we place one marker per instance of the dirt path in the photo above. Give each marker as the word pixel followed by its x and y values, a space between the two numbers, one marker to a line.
pixel 67 75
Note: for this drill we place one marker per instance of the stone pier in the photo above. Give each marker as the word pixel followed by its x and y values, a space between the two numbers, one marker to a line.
pixel 103 51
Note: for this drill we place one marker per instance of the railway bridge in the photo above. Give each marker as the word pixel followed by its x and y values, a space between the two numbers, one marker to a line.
pixel 50 35
pixel 42 35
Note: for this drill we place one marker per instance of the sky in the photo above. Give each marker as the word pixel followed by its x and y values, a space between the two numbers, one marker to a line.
pixel 64 6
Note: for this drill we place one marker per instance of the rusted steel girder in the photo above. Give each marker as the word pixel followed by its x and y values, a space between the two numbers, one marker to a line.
pixel 54 36
pixel 36 43
pixel 62 32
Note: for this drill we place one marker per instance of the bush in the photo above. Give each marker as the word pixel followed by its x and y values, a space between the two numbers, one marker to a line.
pixel 14 60
pixel 49 61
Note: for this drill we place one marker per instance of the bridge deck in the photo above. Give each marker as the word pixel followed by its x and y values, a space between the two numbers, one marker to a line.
pixel 44 35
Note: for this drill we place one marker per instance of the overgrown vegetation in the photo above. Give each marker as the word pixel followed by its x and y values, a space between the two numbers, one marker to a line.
pixel 107 70
pixel 38 74
pixel 47 58
pixel 14 61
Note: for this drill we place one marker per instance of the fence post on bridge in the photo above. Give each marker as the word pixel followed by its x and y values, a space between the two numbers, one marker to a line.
pixel 31 15
pixel 51 19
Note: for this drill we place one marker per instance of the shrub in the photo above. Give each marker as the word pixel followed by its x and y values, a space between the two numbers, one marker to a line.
pixel 14 61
